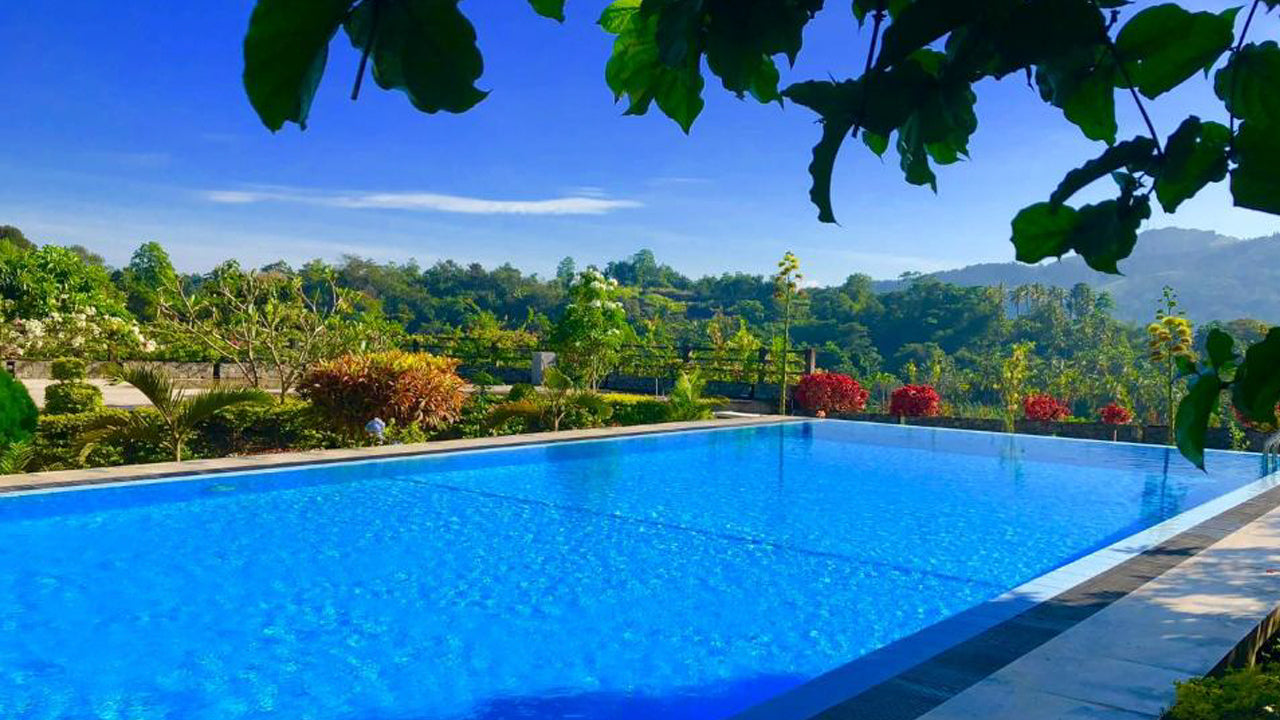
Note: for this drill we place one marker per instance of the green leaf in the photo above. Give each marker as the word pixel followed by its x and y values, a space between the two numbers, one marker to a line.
pixel 553 9
pixel 878 144
pixel 1191 423
pixel 1136 154
pixel 1102 234
pixel 1165 45
pixel 1256 390
pixel 925 21
pixel 1194 156
pixel 1043 230
pixel 426 48
pixel 1221 348
pixel 1107 232
pixel 635 68
pixel 284 56
pixel 1082 84
pixel 617 14
pixel 1248 84
pixel 836 103
pixel 1255 181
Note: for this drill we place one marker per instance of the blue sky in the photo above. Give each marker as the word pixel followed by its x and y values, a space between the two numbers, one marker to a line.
pixel 126 122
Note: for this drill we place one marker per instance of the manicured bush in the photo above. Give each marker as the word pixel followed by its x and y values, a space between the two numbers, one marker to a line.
pixel 57 443
pixel 71 397
pixel 1245 694
pixel 69 369
pixel 407 388
pixel 1115 414
pixel 17 410
pixel 831 393
pixel 252 429
pixel 636 409
pixel 1044 408
pixel 520 391
pixel 915 401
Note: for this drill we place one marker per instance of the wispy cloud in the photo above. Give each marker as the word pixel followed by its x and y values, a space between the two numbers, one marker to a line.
pixel 580 204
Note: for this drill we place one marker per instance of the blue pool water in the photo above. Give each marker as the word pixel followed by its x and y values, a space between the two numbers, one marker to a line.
pixel 682 575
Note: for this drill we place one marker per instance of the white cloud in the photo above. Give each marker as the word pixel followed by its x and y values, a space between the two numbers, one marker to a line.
pixel 425 202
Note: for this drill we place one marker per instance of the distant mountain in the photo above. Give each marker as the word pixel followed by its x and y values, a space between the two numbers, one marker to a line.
pixel 1216 277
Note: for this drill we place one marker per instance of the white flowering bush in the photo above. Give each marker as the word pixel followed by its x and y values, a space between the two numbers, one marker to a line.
pixel 72 331
pixel 590 335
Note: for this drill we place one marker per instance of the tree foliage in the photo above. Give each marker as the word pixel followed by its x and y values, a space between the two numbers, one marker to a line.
pixel 916 92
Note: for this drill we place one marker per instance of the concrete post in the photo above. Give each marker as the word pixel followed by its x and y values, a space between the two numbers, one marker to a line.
pixel 541 361
pixel 810 361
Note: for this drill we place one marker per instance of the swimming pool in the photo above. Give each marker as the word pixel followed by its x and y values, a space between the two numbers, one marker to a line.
pixel 677 575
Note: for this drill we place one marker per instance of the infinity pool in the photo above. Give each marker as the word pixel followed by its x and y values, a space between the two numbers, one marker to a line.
pixel 682 575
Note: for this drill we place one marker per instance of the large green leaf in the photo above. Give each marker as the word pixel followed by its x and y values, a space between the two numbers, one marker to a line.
pixel 635 68
pixel 923 22
pixel 1107 231
pixel 1082 84
pixel 1102 234
pixel 1138 153
pixel 836 104
pixel 1191 422
pixel 1220 347
pixel 1256 390
pixel 1255 181
pixel 1165 45
pixel 1250 84
pixel 1043 230
pixel 1194 156
pixel 426 48
pixel 284 56
pixel 553 9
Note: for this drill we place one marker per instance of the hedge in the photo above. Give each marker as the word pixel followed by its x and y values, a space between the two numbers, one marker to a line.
pixel 71 397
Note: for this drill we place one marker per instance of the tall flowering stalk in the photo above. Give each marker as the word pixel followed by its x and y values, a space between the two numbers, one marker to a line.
pixel 1169 340
pixel 786 290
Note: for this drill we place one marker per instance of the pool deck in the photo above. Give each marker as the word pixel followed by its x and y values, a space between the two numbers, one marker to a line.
pixel 1103 638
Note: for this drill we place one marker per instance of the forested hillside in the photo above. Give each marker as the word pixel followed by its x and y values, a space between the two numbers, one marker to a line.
pixel 1217 276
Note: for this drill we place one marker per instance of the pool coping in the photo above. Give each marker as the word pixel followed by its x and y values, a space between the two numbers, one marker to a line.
pixel 70 479
pixel 929 669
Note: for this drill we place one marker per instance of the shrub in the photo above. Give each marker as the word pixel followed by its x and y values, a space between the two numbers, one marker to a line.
pixel 252 429
pixel 57 447
pixel 521 391
pixel 636 409
pixel 71 397
pixel 405 388
pixel 1044 408
pixel 69 369
pixel 831 393
pixel 1114 414
pixel 915 401
pixel 685 401
pixel 1236 695
pixel 17 411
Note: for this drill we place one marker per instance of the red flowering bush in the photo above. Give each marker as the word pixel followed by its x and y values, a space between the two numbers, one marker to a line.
pixel 1114 414
pixel 407 388
pixel 915 401
pixel 1044 407
pixel 831 393
pixel 1263 427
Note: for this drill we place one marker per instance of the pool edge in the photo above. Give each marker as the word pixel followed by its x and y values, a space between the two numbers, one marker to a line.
pixel 195 469
pixel 1033 614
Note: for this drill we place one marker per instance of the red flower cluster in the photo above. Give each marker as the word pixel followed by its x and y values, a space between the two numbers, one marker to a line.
pixel 915 401
pixel 1114 414
pixel 831 393
pixel 1263 427
pixel 1044 407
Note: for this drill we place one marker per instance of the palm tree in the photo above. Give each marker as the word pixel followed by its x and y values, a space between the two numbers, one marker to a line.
pixel 178 414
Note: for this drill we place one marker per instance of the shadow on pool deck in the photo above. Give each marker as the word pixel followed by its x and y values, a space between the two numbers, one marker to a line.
pixel 714 702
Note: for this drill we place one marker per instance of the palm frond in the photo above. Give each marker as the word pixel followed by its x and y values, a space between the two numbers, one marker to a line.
pixel 17 457
pixel 155 385
pixel 200 407
pixel 134 427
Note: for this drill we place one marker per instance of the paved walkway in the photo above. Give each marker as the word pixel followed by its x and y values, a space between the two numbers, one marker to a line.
pixel 117 395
